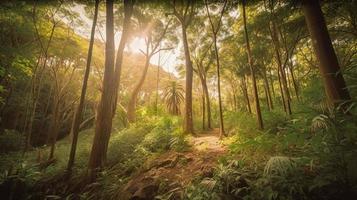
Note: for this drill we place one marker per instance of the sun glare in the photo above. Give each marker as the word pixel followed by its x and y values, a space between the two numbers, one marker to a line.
pixel 137 44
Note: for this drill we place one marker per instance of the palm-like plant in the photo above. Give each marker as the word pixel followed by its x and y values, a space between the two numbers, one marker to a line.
pixel 173 97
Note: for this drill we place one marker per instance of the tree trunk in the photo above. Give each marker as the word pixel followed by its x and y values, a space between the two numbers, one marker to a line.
pixel 266 97
pixel 272 84
pixel 335 86
pixel 288 83
pixel 285 89
pixel 234 97
pixel 36 90
pixel 215 31
pixel 78 115
pixel 296 87
pixel 245 93
pixel 132 102
pixel 221 124
pixel 128 11
pixel 203 110
pixel 188 124
pixel 282 92
pixel 208 102
pixel 157 85
pixel 105 107
pixel 252 71
pixel 54 128
pixel 266 83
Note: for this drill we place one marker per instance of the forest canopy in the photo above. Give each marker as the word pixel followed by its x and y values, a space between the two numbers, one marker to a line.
pixel 178 99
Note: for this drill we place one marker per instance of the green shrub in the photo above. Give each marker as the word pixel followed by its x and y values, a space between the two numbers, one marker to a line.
pixel 166 135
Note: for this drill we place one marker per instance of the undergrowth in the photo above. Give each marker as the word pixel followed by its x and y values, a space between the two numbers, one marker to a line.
pixel 128 150
pixel 310 155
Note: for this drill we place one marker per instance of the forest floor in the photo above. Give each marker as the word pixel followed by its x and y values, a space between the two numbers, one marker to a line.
pixel 170 172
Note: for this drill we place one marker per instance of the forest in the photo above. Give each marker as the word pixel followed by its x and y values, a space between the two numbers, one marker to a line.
pixel 178 99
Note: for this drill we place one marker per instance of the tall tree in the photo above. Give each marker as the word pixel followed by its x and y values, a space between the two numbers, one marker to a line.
pixel 184 15
pixel 155 33
pixel 37 77
pixel 59 66
pixel 215 30
pixel 285 91
pixel 78 115
pixel 335 86
pixel 202 72
pixel 105 108
pixel 157 84
pixel 252 70
pixel 128 11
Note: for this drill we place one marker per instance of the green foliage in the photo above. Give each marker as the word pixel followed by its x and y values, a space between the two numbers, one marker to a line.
pixel 173 96
pixel 166 135
pixel 130 148
pixel 299 159
pixel 11 140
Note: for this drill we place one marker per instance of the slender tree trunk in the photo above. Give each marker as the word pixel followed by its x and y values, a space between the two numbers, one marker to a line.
pixel 285 90
pixel 234 97
pixel 203 110
pixel 78 115
pixel 36 91
pixel 252 71
pixel 296 88
pixel 128 11
pixel 266 83
pixel 272 84
pixel 208 102
pixel 45 113
pixel 157 85
pixel 221 124
pixel 289 84
pixel 36 96
pixel 188 125
pixel 54 128
pixel 132 102
pixel 105 107
pixel 215 31
pixel 245 93
pixel 335 86
pixel 282 92
pixel 266 97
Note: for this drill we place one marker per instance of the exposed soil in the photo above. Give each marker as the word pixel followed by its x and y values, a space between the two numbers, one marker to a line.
pixel 172 171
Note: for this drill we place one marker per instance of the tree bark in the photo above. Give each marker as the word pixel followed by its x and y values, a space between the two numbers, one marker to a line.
pixel 282 92
pixel 335 86
pixel 221 124
pixel 36 89
pixel 285 89
pixel 266 83
pixel 157 85
pixel 215 31
pixel 203 110
pixel 245 93
pixel 295 84
pixel 202 77
pixel 105 107
pixel 252 71
pixel 272 84
pixel 78 115
pixel 188 126
pixel 128 11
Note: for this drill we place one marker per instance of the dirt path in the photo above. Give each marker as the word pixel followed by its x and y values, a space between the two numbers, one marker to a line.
pixel 172 171
pixel 208 141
